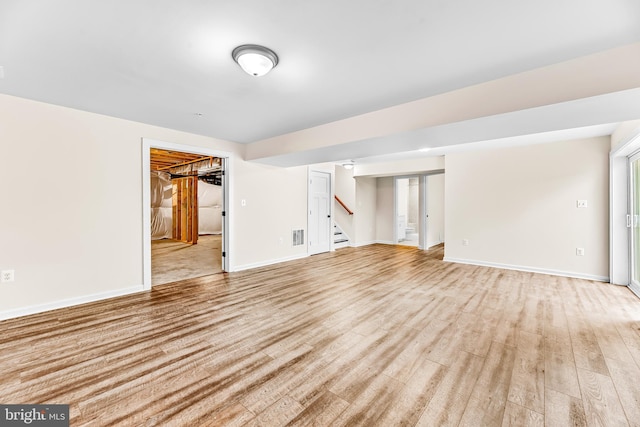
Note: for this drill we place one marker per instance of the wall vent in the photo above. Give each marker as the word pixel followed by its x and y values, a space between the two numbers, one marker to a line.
pixel 297 236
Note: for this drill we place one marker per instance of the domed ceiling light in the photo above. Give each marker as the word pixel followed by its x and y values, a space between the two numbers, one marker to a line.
pixel 348 164
pixel 255 60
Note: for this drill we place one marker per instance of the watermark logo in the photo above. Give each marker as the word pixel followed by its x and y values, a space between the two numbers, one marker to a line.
pixel 34 415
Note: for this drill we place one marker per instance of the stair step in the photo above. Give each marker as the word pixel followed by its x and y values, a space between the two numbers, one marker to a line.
pixel 340 240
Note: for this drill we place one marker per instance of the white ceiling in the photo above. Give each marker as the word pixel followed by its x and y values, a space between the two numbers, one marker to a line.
pixel 168 63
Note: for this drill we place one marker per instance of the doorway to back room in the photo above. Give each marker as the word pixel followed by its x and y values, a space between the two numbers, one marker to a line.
pixel 419 210
pixel 186 218
pixel 186 215
pixel 408 211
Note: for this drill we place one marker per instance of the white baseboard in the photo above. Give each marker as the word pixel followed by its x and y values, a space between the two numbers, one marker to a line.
pixel 266 263
pixel 341 245
pixel 529 269
pixel 34 309
pixel 385 242
pixel 361 244
pixel 634 289
pixel 373 242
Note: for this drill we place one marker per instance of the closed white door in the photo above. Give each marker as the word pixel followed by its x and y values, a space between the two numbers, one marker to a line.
pixel 319 223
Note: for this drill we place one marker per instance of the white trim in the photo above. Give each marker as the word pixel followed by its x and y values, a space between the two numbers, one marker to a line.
pixel 147 144
pixel 388 242
pixel 619 245
pixel 373 242
pixel 383 242
pixel 528 269
pixel 635 289
pixel 70 302
pixel 423 209
pixel 406 245
pixel 631 200
pixel 628 145
pixel 270 262
pixel 619 241
pixel 341 245
pixel 361 244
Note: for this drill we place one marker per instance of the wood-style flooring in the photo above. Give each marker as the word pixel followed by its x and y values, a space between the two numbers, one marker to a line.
pixel 372 336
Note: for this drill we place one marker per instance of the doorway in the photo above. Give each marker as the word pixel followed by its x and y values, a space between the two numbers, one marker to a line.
pixel 408 227
pixel 319 220
pixel 419 210
pixel 184 208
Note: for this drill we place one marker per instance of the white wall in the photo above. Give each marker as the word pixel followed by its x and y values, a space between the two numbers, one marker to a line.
pixel 517 207
pixel 623 133
pixel 276 204
pixel 402 198
pixel 71 218
pixel 365 214
pixel 435 209
pixel 384 210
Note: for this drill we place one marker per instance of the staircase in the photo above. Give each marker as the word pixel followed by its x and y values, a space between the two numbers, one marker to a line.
pixel 340 240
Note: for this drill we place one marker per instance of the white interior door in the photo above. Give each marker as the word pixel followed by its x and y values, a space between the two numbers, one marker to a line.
pixel 319 223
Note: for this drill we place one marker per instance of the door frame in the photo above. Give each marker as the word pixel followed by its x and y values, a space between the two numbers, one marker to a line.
pixel 147 145
pixel 422 209
pixel 619 241
pixel 632 223
pixel 331 197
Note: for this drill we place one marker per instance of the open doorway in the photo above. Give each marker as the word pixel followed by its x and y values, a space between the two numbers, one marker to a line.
pixel 186 215
pixel 185 218
pixel 408 225
pixel 419 210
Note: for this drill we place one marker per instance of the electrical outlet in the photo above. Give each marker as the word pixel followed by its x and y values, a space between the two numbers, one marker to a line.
pixel 465 242
pixel 7 276
pixel 580 251
pixel 582 203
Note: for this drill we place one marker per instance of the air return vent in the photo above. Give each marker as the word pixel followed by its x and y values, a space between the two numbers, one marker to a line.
pixel 297 237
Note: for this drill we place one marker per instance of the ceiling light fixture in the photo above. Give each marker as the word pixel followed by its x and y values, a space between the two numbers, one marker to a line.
pixel 425 149
pixel 348 165
pixel 255 60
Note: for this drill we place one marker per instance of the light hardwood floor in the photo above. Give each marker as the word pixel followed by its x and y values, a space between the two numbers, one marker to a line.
pixel 373 336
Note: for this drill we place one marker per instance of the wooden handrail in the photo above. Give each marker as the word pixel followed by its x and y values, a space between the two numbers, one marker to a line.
pixel 343 205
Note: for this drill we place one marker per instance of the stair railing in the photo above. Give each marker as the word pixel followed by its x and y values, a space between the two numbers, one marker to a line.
pixel 349 211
